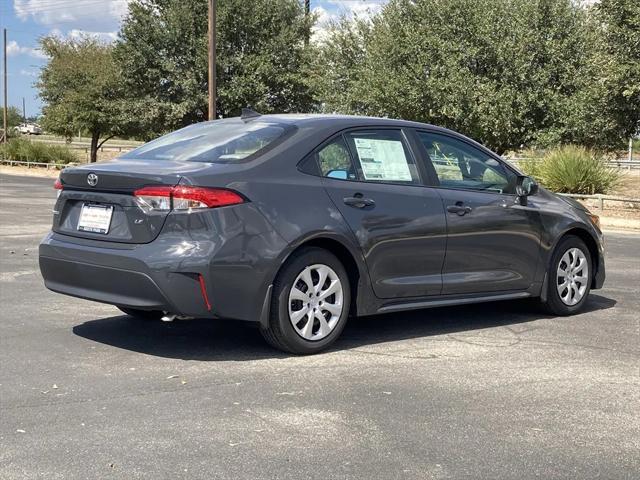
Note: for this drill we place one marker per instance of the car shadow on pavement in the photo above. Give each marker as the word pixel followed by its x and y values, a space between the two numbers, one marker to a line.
pixel 211 340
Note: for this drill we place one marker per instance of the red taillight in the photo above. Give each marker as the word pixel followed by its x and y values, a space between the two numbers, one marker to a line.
pixel 182 197
pixel 209 197
pixel 154 198
pixel 155 191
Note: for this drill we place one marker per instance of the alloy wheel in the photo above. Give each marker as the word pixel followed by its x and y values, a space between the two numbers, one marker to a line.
pixel 316 302
pixel 572 276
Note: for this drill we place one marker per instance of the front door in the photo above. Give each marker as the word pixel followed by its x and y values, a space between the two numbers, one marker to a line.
pixel 493 243
pixel 372 179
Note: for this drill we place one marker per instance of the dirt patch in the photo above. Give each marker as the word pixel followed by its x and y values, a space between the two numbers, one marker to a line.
pixel 30 172
pixel 629 188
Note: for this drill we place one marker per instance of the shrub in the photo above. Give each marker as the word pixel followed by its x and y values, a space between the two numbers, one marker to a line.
pixel 24 150
pixel 573 169
pixel 531 166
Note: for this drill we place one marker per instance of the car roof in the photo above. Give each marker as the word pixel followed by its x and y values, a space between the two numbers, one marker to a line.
pixel 344 121
pixel 333 123
pixel 336 122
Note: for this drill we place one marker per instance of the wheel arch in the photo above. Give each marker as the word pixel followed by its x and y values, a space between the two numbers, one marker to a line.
pixel 588 239
pixel 352 263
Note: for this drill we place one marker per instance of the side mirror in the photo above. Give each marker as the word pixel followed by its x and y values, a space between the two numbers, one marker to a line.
pixel 339 174
pixel 525 186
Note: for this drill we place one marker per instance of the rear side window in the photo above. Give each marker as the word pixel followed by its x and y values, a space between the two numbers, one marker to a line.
pixel 221 141
pixel 334 161
pixel 382 156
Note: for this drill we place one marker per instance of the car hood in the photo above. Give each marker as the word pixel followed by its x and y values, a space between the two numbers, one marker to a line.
pixel 572 202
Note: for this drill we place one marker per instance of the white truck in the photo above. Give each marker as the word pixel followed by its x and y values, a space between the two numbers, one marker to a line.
pixel 29 129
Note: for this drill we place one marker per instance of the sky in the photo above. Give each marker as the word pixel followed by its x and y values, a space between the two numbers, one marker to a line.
pixel 28 20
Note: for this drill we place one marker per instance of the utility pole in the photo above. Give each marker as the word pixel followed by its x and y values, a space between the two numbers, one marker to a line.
pixel 24 112
pixel 212 59
pixel 4 113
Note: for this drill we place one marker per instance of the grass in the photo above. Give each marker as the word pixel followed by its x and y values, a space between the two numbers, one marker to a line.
pixel 21 149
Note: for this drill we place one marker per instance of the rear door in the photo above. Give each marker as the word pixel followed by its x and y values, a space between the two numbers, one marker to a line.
pixel 493 243
pixel 372 178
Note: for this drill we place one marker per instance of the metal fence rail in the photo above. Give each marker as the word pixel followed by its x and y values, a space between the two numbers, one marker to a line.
pixel 628 164
pixel 602 198
pixel 621 163
pixel 110 146
pixel 38 164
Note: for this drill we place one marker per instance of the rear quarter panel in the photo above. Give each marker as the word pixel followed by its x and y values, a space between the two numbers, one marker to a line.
pixel 293 204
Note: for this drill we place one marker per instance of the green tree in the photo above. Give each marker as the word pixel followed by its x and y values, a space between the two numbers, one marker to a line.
pixel 606 112
pixel 14 116
pixel 81 89
pixel 505 72
pixel 261 58
pixel 338 65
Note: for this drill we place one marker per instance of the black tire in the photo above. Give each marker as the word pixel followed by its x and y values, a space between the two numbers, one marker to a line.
pixel 280 332
pixel 143 314
pixel 554 303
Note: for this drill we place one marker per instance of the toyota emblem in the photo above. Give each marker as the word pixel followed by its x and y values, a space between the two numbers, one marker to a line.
pixel 92 179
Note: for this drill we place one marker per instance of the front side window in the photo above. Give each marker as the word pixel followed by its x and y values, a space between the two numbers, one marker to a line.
pixel 220 141
pixel 459 165
pixel 382 156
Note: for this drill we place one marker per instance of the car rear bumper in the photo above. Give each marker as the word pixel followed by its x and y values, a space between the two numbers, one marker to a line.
pixel 193 272
pixel 105 284
pixel 119 277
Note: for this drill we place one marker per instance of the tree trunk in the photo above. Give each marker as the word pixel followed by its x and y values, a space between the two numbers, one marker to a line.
pixel 95 136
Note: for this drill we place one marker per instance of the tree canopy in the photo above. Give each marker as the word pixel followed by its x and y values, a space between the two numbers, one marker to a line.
pixel 607 108
pixel 508 73
pixel 261 59
pixel 14 116
pixel 81 89
pixel 505 72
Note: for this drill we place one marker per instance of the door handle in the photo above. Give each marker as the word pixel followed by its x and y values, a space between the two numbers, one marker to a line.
pixel 358 201
pixel 459 208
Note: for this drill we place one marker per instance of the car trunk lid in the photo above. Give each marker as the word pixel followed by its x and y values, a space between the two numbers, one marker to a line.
pixel 97 200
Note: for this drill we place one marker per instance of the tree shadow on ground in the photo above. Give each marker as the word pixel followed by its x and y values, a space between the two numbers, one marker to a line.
pixel 223 340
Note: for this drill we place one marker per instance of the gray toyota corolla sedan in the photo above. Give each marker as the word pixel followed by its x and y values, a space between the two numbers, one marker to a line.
pixel 298 221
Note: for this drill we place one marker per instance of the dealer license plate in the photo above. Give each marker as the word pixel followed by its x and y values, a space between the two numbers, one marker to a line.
pixel 95 218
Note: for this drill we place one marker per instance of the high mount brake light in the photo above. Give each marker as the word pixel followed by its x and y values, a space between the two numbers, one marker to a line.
pixel 183 197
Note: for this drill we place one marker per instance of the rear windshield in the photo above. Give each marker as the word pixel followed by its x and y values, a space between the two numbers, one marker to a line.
pixel 221 141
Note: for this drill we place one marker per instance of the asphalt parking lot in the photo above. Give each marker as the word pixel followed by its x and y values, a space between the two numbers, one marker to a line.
pixel 489 391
